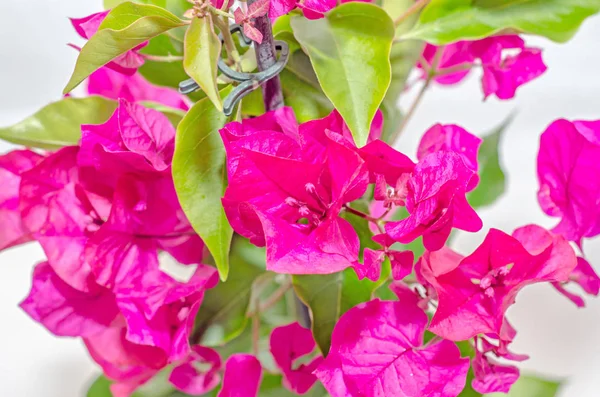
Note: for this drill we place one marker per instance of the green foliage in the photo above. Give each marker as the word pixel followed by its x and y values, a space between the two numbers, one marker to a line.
pixel 529 386
pixel 202 51
pixel 59 123
pixel 125 27
pixel 403 58
pixel 328 297
pixel 492 182
pixel 200 178
pixel 224 307
pixel 447 21
pixel 350 50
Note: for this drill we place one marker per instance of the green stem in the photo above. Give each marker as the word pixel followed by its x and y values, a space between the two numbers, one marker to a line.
pixel 412 10
pixel 230 47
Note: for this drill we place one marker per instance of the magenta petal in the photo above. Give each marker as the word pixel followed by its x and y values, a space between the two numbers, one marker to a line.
pixel 492 377
pixel 65 311
pixel 402 263
pixel 385 160
pixel 86 27
pixel 189 379
pixel 376 350
pixel 243 374
pixel 278 8
pixel 372 265
pixel 450 138
pixel 12 165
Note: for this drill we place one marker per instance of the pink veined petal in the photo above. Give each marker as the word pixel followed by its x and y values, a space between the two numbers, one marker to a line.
pixel 278 8
pixel 372 264
pixel 402 263
pixel 450 138
pixel 385 160
pixel 242 377
pixel 376 350
pixel 287 344
pixel 251 32
pixel 453 55
pixel 12 166
pixel 258 8
pixel 191 380
pixel 65 311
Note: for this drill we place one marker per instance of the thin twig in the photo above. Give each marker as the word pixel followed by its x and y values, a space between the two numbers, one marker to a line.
pixel 232 51
pixel 413 9
pixel 273 299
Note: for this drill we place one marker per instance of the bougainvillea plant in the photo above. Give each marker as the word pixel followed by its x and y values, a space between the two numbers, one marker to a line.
pixel 223 211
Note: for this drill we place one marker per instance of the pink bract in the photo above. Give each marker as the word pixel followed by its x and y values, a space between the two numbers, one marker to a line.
pixel 243 374
pixel 377 349
pixel 189 379
pixel 289 343
pixel 569 177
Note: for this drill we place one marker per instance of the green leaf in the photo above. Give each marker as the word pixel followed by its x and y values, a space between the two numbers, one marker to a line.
pixel 403 58
pixel 301 89
pixel 100 388
pixel 328 297
pixel 124 28
pixel 59 123
pixel 200 177
pixel 202 51
pixel 272 386
pixel 350 51
pixel 492 182
pixel 529 386
pixel 224 307
pixel 447 21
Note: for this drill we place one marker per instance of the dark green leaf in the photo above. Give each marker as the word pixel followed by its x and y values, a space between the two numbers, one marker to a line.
pixel 272 386
pixel 282 30
pixel 202 51
pixel 59 123
pixel 124 28
pixel 224 307
pixel 350 51
pixel 200 177
pixel 330 296
pixel 492 182
pixel 448 21
pixel 529 386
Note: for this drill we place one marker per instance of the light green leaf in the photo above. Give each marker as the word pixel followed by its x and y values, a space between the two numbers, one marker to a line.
pixel 200 177
pixel 301 89
pixel 224 307
pixel 202 51
pixel 124 28
pixel 328 297
pixel 529 386
pixel 492 182
pixel 59 123
pixel 350 51
pixel 447 21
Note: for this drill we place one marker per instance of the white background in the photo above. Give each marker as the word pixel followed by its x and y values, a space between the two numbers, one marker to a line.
pixel 562 340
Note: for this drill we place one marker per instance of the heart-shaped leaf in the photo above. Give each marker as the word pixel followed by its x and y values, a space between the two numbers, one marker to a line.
pixel 59 123
pixel 350 52
pixel 447 21
pixel 200 177
pixel 125 27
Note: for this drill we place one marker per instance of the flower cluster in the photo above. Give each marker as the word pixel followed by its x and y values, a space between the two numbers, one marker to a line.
pixel 107 216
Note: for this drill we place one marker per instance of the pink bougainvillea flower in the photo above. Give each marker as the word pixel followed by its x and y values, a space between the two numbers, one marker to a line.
pixel 286 190
pixel 127 63
pixel 583 275
pixel 242 377
pixel 491 376
pixel 135 88
pixel 569 176
pixel 127 364
pixel 61 215
pixel 475 293
pixel 12 165
pixel 502 74
pixel 134 140
pixel 315 9
pixel 401 262
pixel 377 349
pixel 65 311
pixel 288 344
pixel 190 379
pixel 384 160
pixel 436 201
pixel 452 138
pixel 145 218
